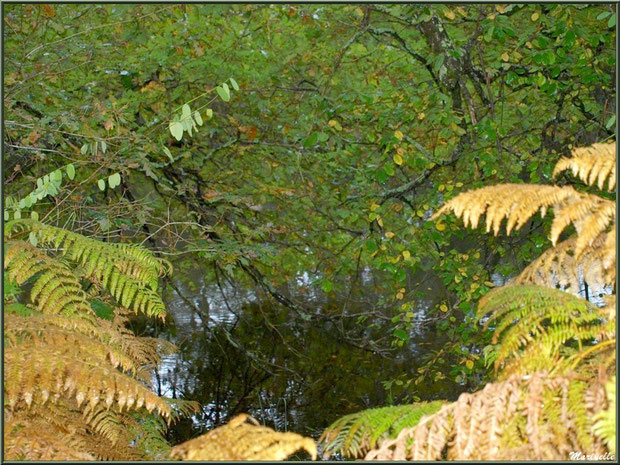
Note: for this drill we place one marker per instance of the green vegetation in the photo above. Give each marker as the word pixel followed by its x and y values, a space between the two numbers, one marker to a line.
pixel 268 188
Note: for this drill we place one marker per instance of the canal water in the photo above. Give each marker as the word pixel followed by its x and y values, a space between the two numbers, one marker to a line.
pixel 240 352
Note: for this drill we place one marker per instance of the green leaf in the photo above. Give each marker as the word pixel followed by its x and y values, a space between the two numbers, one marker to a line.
pixel 167 152
pixel 234 84
pixel 198 118
pixel 17 215
pixel 311 140
pixel 612 21
pixel 6 215
pixel 223 92
pixel 104 146
pixel 34 215
pixel 176 129
pixel 186 112
pixel 101 184
pixel 610 122
pixel 102 310
pixel 209 113
pixel 56 176
pixel 114 180
pixel 401 334
pixel 70 172
pixel 326 285
pixel 84 149
pixel 32 237
pixel 603 15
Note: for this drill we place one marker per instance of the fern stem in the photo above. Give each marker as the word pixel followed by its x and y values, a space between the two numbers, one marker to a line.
pixel 580 356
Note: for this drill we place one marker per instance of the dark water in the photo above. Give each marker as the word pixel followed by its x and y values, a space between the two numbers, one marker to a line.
pixel 238 352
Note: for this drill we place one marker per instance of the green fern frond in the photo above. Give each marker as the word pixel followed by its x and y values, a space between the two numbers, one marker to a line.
pixel 605 421
pixel 354 435
pixel 129 274
pixel 540 317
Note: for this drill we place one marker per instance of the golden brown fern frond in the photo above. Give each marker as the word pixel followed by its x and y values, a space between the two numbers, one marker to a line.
pixel 532 417
pixel 54 372
pixel 593 165
pixel 594 218
pixel 240 440
pixel 516 203
pixel 102 342
pixel 559 266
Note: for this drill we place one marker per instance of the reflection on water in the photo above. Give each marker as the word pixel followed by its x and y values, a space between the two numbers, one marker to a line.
pixel 241 353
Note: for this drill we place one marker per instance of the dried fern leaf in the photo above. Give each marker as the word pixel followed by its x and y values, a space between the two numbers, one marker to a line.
pixel 516 203
pixel 354 435
pixel 593 165
pixel 558 266
pixel 52 372
pixel 240 440
pixel 516 419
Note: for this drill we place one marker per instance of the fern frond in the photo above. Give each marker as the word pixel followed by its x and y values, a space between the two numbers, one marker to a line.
pixel 59 371
pixel 240 440
pixel 533 324
pixel 56 290
pixel 354 435
pixel 516 203
pixel 605 421
pixel 593 165
pixel 129 273
pixel 515 419
pixel 558 266
pixel 101 341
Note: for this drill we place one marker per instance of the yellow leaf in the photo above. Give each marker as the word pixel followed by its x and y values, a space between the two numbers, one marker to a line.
pixel 374 206
pixel 402 289
pixel 398 159
pixel 505 56
pixel 535 16
pixel 489 284
pixel 380 222
pixel 459 184
pixel 332 122
pixel 469 364
pixel 461 11
pixel 400 296
pixel 443 308
pixel 398 135
pixel 406 255
pixel 440 226
pixel 528 44
pixel 389 234
pixel 500 9
pixel 441 188
pixel 421 116
pixel 449 14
